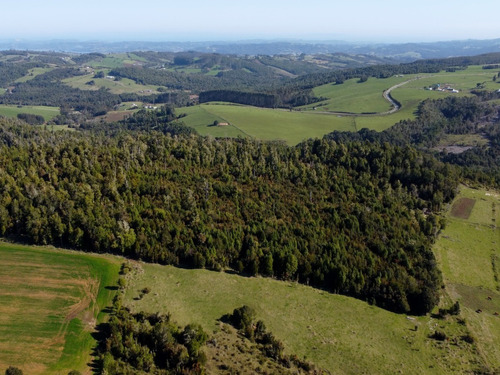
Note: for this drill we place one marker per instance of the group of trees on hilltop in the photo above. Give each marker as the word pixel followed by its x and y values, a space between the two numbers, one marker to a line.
pixel 248 98
pixel 354 218
pixel 280 98
pixel 163 120
pixel 242 78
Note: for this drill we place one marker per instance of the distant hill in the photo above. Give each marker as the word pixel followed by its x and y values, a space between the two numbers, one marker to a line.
pixel 398 51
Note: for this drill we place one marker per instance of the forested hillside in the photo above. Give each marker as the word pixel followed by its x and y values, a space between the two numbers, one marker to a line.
pixel 355 218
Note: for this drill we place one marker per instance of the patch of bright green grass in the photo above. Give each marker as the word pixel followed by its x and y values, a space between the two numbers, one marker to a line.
pixel 33 73
pixel 463 140
pixel 48 113
pixel 202 121
pixel 355 97
pixel 338 333
pixel 124 85
pixel 277 124
pixel 50 302
pixel 110 62
pixel 270 124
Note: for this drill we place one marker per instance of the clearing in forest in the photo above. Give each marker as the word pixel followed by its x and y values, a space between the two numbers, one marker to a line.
pixel 462 208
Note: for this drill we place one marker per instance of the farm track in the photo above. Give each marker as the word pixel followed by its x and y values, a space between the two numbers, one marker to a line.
pixel 387 96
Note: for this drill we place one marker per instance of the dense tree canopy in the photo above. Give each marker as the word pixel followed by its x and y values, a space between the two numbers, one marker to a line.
pixel 355 218
pixel 149 344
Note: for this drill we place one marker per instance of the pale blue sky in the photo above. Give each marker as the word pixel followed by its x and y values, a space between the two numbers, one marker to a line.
pixel 353 20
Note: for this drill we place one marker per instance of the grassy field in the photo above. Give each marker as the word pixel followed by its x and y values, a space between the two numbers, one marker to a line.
pixel 468 251
pixel 338 333
pixel 355 97
pixel 115 61
pixel 414 92
pixel 48 113
pixel 33 73
pixel 50 301
pixel 124 85
pixel 276 124
pixel 351 96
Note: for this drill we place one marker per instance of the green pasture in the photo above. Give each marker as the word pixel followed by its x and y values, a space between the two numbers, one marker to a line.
pixel 202 120
pixel 338 333
pixel 468 251
pixel 57 128
pixel 48 113
pixel 414 92
pixel 277 124
pixel 463 140
pixel 33 73
pixel 355 97
pixel 133 57
pixel 50 302
pixel 465 246
pixel 317 119
pixel 124 85
pixel 115 60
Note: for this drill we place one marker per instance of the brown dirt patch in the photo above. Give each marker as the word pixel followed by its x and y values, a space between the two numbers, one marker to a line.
pixel 117 116
pixel 90 289
pixel 462 208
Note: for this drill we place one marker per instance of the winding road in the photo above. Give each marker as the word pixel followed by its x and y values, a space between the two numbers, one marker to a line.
pixel 387 96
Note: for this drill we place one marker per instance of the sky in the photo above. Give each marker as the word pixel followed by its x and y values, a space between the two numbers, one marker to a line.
pixel 210 20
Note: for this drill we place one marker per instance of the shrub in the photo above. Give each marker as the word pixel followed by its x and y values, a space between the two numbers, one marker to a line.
pixel 242 317
pixel 13 371
pixel 468 339
pixel 439 335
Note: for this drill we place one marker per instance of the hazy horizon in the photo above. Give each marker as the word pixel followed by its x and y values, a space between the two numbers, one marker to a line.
pixel 359 21
pixel 85 39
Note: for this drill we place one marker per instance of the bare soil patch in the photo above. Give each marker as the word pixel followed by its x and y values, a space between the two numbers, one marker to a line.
pixel 117 116
pixel 462 208
pixel 90 288
pixel 454 149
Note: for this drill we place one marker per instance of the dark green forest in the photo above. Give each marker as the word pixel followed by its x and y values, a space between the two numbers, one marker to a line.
pixel 354 218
